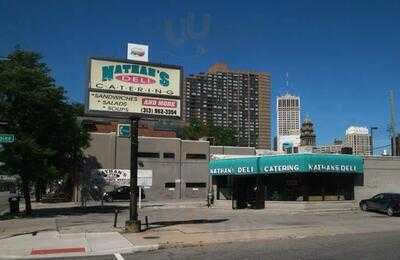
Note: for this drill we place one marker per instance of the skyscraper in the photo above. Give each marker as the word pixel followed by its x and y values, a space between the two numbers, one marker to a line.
pixel 358 138
pixel 240 100
pixel 288 122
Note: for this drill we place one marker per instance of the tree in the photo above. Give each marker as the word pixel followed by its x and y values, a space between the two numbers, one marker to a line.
pixel 48 139
pixel 222 136
pixel 195 130
pixel 218 135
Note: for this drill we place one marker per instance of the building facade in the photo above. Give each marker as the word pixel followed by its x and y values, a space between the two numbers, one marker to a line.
pixel 288 122
pixel 395 146
pixel 181 170
pixel 307 134
pixel 250 181
pixel 165 128
pixel 238 100
pixel 329 148
pixel 358 139
pixel 179 167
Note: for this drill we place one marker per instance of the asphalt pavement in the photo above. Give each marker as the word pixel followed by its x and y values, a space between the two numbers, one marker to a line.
pixel 4 201
pixel 385 245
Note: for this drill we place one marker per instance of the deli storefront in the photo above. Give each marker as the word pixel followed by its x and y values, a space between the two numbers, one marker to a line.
pixel 250 181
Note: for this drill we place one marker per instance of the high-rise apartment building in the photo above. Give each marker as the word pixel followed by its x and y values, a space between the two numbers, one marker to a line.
pixel 288 122
pixel 240 100
pixel 358 139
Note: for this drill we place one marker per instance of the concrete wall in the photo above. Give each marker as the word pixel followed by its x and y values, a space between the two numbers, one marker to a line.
pixel 171 176
pixel 102 149
pixel 232 150
pixel 193 169
pixel 381 174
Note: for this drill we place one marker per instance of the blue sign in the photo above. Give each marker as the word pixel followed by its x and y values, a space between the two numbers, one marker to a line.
pixel 7 138
pixel 124 130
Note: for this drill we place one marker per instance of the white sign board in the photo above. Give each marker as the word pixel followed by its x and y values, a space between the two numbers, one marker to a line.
pixel 99 101
pixel 121 177
pixel 135 78
pixel 145 178
pixel 127 88
pixel 9 178
pixel 138 52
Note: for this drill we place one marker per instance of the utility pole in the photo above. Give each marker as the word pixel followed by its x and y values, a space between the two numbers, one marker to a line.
pixel 392 124
pixel 371 139
pixel 134 224
pixel 210 196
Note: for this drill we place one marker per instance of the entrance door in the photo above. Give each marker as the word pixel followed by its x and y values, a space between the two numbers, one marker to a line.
pixel 248 192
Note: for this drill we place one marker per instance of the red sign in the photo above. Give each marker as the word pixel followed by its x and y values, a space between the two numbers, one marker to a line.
pixel 159 102
pixel 135 79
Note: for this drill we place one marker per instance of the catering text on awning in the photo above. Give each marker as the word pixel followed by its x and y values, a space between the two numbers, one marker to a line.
pixel 291 163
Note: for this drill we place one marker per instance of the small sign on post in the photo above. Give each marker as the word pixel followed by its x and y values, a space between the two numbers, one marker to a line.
pixel 138 52
pixel 124 130
pixel 7 138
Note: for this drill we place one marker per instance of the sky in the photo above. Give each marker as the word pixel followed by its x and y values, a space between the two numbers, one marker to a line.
pixel 342 57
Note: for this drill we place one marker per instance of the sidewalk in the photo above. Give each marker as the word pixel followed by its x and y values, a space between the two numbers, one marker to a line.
pixel 52 243
pixel 69 217
pixel 59 230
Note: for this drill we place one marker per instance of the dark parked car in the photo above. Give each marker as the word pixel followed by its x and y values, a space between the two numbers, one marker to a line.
pixel 388 203
pixel 121 193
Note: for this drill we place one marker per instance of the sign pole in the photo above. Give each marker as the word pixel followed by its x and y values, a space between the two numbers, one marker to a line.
pixel 134 224
pixel 140 197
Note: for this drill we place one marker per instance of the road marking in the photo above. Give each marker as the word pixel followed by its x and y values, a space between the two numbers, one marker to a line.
pixel 118 256
pixel 58 251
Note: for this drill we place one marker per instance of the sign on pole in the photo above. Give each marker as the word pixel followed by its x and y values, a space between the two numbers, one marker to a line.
pixel 7 138
pixel 124 130
pixel 124 88
pixel 121 177
pixel 138 52
pixel 134 90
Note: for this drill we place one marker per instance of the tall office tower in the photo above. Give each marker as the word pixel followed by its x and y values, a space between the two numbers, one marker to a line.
pixel 288 122
pixel 240 100
pixel 358 139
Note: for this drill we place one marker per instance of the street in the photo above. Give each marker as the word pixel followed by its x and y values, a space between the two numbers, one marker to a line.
pixel 383 245
pixel 4 200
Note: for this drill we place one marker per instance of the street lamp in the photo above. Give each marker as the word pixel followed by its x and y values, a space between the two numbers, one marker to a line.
pixel 371 139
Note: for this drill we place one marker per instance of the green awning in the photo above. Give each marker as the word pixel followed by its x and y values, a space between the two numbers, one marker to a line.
pixel 290 163
pixel 235 166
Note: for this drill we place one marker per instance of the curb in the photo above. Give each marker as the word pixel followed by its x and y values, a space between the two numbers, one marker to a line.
pixel 133 249
pixel 205 243
pixel 127 250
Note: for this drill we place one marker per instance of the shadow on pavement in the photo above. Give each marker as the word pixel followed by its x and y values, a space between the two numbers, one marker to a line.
pixel 66 211
pixel 161 224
